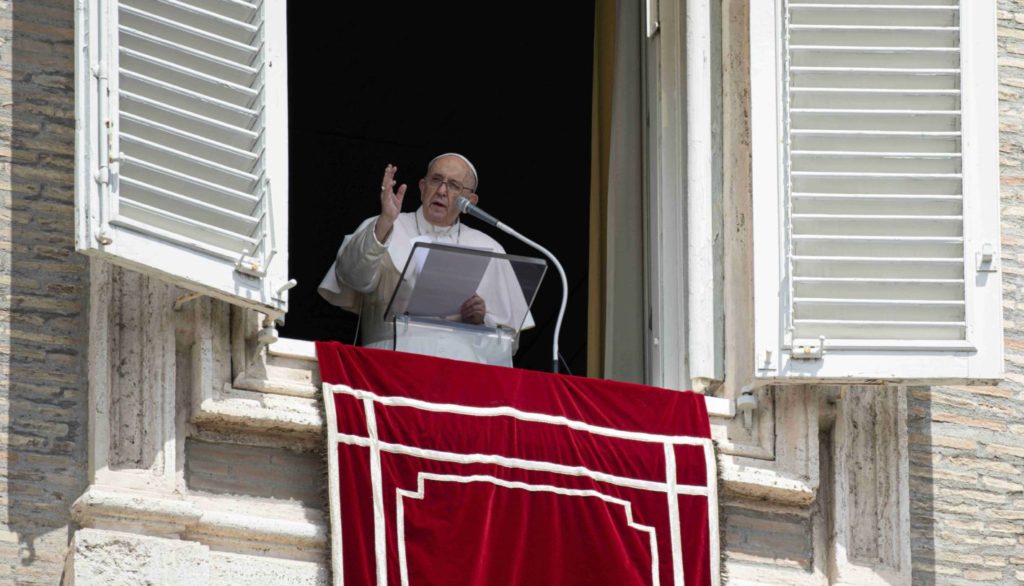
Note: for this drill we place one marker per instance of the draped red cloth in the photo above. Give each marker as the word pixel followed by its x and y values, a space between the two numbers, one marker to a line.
pixel 448 472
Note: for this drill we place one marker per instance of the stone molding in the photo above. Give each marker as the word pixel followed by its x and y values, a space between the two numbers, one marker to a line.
pixel 152 360
pixel 206 520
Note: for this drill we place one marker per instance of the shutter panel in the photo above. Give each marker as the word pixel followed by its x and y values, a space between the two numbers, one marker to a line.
pixel 885 189
pixel 184 136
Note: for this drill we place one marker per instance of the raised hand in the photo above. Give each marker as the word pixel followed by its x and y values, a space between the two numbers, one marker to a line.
pixel 390 203
pixel 473 310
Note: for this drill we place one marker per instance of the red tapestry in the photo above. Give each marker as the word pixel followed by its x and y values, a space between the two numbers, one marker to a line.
pixel 452 473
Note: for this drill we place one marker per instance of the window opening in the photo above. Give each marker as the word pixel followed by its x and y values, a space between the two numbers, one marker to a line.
pixel 371 85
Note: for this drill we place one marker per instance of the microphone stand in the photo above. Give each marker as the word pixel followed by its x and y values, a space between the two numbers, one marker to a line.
pixel 469 208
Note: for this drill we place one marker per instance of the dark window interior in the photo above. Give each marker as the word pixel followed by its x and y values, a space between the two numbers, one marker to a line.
pixel 372 83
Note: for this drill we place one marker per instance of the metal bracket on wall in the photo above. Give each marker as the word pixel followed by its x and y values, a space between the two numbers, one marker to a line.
pixel 746 404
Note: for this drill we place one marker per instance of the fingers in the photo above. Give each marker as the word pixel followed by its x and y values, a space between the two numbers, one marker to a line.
pixel 473 310
pixel 390 202
pixel 388 181
pixel 473 317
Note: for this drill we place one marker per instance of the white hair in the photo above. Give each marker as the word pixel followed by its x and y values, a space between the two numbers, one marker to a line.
pixel 472 169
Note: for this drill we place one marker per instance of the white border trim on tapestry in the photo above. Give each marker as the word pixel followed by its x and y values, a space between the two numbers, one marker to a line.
pixel 376 446
pixel 420 493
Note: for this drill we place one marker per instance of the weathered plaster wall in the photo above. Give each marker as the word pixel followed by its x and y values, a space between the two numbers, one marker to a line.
pixel 43 287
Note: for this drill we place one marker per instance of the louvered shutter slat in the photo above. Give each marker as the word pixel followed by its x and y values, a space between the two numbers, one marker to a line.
pixel 183 34
pixel 189 57
pixel 150 110
pixel 182 182
pixel 219 173
pixel 241 29
pixel 171 225
pixel 183 205
pixel 170 94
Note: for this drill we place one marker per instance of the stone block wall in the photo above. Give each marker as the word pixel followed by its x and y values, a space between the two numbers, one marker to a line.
pixel 254 471
pixel 43 293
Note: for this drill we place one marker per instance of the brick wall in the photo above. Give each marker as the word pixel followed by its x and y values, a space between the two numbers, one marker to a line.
pixel 42 293
pixel 967 443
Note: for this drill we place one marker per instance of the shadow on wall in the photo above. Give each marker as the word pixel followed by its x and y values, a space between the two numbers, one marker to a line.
pixel 922 453
pixel 966 457
pixel 43 281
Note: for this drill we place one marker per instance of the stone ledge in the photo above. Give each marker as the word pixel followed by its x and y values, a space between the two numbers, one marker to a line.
pixel 207 520
pixel 764 483
pixel 97 505
pixel 292 355
pixel 263 411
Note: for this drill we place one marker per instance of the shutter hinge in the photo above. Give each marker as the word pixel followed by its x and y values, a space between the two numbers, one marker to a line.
pixel 252 266
pixel 249 265
pixel 808 349
pixel 102 174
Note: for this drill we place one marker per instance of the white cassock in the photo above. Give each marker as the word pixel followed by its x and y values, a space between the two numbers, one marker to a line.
pixel 366 272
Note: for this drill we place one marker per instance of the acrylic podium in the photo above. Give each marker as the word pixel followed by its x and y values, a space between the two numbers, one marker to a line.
pixel 424 311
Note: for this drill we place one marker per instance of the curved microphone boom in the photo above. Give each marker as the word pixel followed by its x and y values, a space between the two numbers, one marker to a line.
pixel 468 208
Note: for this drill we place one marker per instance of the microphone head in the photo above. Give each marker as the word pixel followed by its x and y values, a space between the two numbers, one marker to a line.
pixel 462 203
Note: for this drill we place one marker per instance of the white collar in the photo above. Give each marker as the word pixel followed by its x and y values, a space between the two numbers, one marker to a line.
pixel 425 228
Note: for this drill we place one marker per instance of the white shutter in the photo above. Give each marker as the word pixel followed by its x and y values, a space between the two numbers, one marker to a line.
pixel 182 143
pixel 875 146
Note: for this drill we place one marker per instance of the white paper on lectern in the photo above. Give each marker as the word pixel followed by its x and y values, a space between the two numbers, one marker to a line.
pixel 445 281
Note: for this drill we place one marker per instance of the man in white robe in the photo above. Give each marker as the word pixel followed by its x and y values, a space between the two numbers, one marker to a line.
pixel 370 260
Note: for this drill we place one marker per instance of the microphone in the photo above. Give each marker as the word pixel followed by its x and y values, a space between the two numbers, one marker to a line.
pixel 468 208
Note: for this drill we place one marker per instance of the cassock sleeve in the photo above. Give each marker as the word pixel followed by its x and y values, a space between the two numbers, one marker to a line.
pixel 356 269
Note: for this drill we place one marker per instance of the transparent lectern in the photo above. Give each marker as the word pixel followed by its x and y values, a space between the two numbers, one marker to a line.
pixel 424 310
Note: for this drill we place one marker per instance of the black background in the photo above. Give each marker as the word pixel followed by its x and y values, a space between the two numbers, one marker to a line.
pixel 372 83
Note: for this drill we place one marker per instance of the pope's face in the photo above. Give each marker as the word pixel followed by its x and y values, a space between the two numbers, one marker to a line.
pixel 437 193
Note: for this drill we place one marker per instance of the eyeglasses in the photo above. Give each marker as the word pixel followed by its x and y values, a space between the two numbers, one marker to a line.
pixel 454 187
